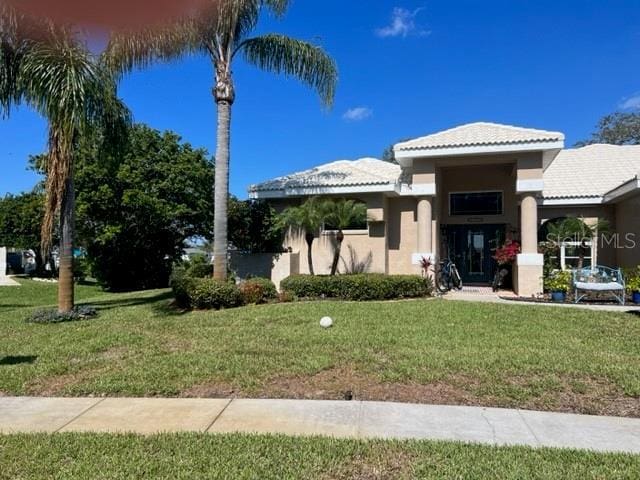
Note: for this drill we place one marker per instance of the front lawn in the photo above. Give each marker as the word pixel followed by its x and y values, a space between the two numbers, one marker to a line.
pixel 429 351
pixel 83 456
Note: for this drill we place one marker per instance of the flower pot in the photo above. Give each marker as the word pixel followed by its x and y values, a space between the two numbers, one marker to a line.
pixel 635 296
pixel 558 297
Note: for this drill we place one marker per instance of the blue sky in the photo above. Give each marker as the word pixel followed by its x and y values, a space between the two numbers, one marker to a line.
pixel 407 68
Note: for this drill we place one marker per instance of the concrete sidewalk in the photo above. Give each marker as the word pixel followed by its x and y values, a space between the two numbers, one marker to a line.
pixel 366 420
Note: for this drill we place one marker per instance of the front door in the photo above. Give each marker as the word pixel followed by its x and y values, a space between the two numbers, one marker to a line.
pixel 471 248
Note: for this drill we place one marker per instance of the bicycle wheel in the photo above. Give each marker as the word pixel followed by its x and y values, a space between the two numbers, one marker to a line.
pixel 455 278
pixel 442 282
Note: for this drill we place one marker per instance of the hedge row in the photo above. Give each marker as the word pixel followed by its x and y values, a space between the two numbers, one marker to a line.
pixel 207 293
pixel 358 287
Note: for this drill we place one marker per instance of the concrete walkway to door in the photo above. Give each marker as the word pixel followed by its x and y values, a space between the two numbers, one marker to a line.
pixel 355 419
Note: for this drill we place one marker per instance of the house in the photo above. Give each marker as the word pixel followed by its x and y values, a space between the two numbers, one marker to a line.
pixel 459 192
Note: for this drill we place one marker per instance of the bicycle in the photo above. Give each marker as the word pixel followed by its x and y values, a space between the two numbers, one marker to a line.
pixel 499 278
pixel 448 277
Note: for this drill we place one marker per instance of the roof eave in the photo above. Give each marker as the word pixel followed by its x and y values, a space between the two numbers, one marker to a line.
pixel 312 190
pixel 405 156
pixel 623 191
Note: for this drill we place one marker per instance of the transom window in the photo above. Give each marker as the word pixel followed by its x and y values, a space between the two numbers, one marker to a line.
pixel 476 203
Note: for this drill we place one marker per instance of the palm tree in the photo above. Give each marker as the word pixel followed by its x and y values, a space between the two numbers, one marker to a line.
pixel 341 214
pixel 221 32
pixel 307 218
pixel 50 69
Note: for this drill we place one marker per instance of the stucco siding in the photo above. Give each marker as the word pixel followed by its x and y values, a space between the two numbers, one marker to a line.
pixel 475 179
pixel 628 226
pixel 403 235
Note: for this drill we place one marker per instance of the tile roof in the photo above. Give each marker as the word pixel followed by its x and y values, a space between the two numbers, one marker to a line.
pixel 590 171
pixel 342 173
pixel 480 134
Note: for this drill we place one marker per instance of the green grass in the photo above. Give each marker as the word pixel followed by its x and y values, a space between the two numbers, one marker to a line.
pixel 425 351
pixel 191 456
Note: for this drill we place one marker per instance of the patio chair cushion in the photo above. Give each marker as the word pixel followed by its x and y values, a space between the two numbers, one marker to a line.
pixel 600 287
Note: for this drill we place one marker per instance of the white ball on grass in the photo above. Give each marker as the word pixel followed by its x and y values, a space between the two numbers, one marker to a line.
pixel 326 322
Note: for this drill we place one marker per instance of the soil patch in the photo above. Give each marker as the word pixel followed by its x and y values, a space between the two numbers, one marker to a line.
pixel 573 395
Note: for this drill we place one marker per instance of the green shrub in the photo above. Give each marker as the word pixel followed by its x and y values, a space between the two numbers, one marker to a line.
pixel 558 282
pixel 358 287
pixel 182 285
pixel 258 290
pixel 207 293
pixel 80 312
pixel 632 279
pixel 199 267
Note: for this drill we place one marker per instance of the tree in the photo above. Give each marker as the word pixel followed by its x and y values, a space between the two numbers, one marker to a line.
pixel 617 129
pixel 254 227
pixel 340 215
pixel 306 218
pixel 137 208
pixel 50 69
pixel 21 220
pixel 221 32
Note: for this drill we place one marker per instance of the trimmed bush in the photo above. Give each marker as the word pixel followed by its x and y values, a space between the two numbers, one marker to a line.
pixel 358 287
pixel 182 285
pixel 79 312
pixel 258 290
pixel 207 293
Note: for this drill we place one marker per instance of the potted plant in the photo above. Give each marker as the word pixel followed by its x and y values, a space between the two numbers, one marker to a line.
pixel 558 284
pixel 633 285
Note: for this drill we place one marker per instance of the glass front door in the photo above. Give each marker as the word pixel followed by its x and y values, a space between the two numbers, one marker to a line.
pixel 470 247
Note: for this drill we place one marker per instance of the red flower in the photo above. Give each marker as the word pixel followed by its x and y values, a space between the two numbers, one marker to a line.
pixel 507 253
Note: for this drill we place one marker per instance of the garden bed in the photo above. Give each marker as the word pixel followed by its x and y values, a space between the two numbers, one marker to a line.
pixel 568 301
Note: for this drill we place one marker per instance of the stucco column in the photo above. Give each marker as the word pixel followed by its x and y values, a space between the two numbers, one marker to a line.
pixel 425 217
pixel 529 223
pixel 528 274
pixel 425 229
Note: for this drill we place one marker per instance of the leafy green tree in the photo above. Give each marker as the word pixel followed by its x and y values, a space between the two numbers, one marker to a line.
pixel 254 227
pixel 21 220
pixel 617 129
pixel 49 68
pixel 340 215
pixel 306 218
pixel 137 209
pixel 222 32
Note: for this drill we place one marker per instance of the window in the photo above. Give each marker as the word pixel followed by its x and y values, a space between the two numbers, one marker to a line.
pixel 570 255
pixel 475 203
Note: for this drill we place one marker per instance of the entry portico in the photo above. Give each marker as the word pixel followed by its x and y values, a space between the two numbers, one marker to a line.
pixel 481 157
pixel 461 193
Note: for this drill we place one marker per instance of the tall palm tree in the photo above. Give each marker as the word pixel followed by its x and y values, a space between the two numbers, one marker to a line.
pixel 340 214
pixel 221 32
pixel 50 69
pixel 307 218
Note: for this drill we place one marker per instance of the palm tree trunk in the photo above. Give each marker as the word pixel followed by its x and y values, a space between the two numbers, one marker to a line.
pixel 309 237
pixel 67 227
pixel 336 254
pixel 220 244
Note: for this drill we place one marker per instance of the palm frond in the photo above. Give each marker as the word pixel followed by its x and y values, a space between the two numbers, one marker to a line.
pixel 65 84
pixel 309 63
pixel 140 49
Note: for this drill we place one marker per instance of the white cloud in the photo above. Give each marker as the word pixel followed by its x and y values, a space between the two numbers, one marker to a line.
pixel 403 24
pixel 357 114
pixel 631 103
